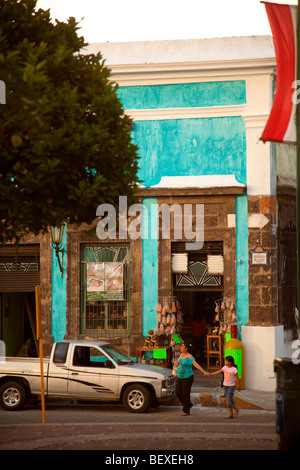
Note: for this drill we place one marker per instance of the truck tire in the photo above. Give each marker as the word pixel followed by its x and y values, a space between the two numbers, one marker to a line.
pixel 136 398
pixel 13 396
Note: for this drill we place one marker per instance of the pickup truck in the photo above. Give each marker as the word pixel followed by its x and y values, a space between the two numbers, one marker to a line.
pixel 85 370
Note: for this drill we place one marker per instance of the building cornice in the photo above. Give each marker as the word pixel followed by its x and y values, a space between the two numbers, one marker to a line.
pixel 187 192
pixel 190 185
pixel 187 72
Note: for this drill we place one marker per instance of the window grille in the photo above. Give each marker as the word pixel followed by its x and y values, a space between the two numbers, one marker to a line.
pixel 105 288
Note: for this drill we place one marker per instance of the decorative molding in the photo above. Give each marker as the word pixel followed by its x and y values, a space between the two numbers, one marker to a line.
pixel 198 275
pixel 187 72
pixel 175 192
pixel 186 113
pixel 251 121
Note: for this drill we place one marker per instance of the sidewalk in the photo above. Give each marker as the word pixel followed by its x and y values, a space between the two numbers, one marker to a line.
pixel 208 392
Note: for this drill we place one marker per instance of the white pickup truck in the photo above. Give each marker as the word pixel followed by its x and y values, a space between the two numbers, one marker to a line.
pixel 85 370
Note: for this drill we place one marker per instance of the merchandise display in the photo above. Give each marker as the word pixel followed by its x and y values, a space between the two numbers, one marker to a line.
pixel 225 315
pixel 169 317
pixel 165 340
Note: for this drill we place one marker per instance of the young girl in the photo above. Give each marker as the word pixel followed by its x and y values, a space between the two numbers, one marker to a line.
pixel 185 378
pixel 230 374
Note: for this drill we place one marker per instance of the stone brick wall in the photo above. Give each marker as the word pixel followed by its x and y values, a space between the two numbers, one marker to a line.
pixel 263 280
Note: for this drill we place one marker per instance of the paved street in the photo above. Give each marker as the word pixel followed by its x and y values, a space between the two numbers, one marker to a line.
pixel 109 428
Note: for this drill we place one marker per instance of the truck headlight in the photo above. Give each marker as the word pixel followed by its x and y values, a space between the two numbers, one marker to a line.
pixel 169 382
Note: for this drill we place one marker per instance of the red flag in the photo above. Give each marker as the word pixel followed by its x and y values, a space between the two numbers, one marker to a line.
pixel 281 125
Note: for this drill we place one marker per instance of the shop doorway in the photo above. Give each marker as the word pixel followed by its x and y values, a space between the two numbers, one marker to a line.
pixel 19 275
pixel 18 323
pixel 198 306
pixel 197 291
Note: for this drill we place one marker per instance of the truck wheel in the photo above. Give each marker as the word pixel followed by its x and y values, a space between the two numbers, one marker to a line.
pixel 136 398
pixel 13 396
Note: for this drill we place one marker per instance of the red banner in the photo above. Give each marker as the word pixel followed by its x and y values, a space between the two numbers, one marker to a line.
pixel 281 125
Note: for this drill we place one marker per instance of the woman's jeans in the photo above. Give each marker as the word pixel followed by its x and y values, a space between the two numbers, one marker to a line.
pixel 183 391
pixel 229 393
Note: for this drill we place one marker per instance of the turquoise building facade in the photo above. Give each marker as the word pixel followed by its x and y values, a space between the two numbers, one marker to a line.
pixel 183 146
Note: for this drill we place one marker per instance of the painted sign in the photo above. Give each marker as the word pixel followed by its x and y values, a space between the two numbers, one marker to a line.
pixel 259 257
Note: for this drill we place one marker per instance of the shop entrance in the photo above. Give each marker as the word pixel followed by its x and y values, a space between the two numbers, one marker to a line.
pixel 18 323
pixel 19 275
pixel 198 307
pixel 197 292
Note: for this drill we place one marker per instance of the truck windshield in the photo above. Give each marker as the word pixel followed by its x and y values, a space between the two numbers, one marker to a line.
pixel 118 356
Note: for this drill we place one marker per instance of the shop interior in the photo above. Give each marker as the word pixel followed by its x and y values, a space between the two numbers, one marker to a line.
pixel 18 323
pixel 198 306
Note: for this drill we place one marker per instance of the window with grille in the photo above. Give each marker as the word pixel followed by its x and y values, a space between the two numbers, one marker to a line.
pixel 105 289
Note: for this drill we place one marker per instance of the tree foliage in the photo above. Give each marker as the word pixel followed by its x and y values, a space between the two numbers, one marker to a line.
pixel 65 143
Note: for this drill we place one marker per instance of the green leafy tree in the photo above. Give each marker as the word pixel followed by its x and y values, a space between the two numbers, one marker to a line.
pixel 65 142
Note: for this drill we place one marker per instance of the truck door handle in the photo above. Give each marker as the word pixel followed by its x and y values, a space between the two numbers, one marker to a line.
pixel 74 373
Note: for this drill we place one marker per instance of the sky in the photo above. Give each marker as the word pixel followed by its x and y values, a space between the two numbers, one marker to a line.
pixel 142 20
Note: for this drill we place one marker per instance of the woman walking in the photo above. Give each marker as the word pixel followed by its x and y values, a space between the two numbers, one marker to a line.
pixel 185 378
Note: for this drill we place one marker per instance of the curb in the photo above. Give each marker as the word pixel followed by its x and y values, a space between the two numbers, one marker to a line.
pixel 215 401
pixel 209 400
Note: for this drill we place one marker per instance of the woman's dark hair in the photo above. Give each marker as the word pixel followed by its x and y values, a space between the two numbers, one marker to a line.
pixel 188 346
pixel 231 360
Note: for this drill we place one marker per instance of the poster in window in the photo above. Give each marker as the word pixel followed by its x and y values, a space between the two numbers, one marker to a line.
pixel 104 281
pixel 114 277
pixel 95 277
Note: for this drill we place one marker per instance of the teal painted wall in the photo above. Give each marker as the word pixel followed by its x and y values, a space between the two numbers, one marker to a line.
pixel 185 95
pixel 59 296
pixel 242 284
pixel 175 147
pixel 180 147
pixel 149 266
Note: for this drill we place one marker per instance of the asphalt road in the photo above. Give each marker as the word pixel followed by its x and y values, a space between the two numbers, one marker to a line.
pixel 112 430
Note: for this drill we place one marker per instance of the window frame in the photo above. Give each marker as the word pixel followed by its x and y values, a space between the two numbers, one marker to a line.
pixel 111 315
